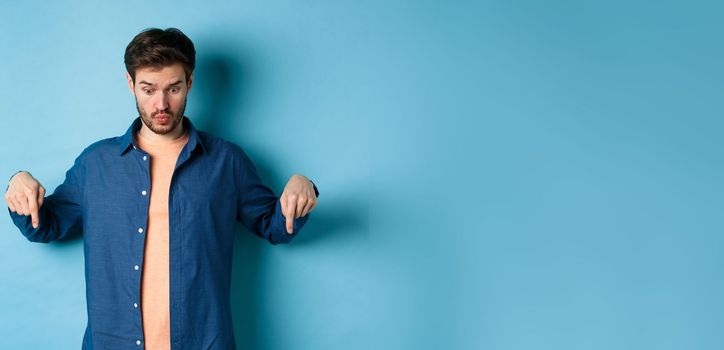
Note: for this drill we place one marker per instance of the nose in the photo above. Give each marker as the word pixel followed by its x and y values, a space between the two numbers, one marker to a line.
pixel 161 102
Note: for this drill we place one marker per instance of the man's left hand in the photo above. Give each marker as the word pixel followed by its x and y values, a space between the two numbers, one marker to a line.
pixel 297 200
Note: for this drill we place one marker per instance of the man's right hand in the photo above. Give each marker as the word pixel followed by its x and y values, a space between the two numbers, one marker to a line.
pixel 25 196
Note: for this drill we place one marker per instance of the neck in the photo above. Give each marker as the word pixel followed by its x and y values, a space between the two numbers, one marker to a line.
pixel 151 136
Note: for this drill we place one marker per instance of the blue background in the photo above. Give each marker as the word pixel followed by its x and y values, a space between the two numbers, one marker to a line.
pixel 493 175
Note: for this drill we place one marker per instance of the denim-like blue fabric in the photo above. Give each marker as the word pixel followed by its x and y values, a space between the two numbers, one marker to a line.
pixel 105 197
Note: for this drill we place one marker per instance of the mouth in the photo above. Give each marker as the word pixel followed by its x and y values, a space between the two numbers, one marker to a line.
pixel 163 118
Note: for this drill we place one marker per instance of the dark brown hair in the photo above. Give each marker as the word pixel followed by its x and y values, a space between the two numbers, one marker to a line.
pixel 159 48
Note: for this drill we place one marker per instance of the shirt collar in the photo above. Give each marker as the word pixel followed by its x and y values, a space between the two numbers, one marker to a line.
pixel 126 141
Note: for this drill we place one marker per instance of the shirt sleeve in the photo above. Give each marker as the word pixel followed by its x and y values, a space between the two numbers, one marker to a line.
pixel 61 212
pixel 259 209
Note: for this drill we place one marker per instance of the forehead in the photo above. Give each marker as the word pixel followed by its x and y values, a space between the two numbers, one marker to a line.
pixel 161 75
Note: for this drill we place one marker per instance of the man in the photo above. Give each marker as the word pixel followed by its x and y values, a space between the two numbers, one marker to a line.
pixel 157 208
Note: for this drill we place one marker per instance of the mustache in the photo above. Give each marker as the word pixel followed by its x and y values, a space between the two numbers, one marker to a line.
pixel 168 113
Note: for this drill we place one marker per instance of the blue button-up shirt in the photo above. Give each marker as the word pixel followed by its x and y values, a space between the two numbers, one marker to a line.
pixel 105 196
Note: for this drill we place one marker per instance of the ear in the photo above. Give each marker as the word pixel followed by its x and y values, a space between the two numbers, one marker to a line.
pixel 190 82
pixel 130 83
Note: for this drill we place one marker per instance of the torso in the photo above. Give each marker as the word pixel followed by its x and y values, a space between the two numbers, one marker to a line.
pixel 155 278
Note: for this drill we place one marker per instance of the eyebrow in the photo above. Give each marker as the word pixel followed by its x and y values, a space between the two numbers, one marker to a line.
pixel 147 83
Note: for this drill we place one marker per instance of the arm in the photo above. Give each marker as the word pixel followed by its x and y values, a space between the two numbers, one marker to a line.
pixel 277 220
pixel 45 219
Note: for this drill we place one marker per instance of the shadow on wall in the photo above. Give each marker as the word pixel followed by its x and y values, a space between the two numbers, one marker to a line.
pixel 221 90
pixel 222 85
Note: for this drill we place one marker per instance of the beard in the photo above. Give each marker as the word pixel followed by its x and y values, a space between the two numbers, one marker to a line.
pixel 161 129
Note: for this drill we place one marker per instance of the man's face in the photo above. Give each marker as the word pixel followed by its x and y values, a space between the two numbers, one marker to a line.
pixel 160 96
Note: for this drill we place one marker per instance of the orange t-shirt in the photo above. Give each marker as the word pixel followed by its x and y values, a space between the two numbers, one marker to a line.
pixel 155 302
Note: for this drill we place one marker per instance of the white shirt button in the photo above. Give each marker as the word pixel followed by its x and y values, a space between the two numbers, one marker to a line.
pixel 140 230
pixel 135 306
pixel 144 157
pixel 143 193
pixel 135 267
pixel 138 342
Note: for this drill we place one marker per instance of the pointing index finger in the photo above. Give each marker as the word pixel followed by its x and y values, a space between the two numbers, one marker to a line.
pixel 290 216
pixel 33 206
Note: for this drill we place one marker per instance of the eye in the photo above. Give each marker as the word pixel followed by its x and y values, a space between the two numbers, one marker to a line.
pixel 175 90
pixel 148 91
